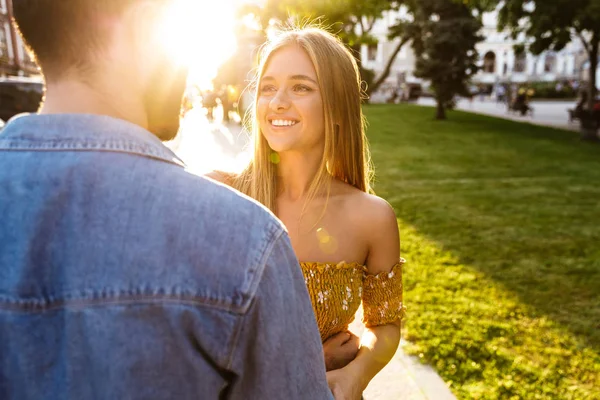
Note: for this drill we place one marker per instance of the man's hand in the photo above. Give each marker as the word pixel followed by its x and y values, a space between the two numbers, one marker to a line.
pixel 340 349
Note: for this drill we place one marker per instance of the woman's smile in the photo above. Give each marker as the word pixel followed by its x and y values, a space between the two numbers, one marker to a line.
pixel 282 123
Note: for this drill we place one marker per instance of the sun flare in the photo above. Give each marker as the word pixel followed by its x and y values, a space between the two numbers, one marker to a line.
pixel 200 34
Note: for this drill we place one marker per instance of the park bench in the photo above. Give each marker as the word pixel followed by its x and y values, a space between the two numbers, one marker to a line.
pixel 575 113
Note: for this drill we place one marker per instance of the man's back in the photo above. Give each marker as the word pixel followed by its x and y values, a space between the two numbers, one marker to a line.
pixel 123 276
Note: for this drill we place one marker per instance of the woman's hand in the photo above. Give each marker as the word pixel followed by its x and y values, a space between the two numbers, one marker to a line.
pixel 340 350
pixel 345 384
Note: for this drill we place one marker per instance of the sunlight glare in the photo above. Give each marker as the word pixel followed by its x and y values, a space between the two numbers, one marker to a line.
pixel 200 34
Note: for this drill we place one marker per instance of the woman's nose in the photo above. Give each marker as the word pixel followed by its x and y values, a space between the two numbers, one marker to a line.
pixel 280 101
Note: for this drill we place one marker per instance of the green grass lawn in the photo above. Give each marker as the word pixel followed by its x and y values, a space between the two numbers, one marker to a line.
pixel 500 224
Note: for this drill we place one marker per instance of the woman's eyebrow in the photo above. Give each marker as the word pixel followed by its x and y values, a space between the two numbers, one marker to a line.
pixel 302 78
pixel 292 78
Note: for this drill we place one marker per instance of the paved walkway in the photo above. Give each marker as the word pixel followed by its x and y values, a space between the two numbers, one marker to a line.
pixel 208 146
pixel 205 146
pixel 546 113
pixel 404 378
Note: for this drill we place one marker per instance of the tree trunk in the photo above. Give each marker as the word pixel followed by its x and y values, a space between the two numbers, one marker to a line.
pixel 589 122
pixel 441 110
pixel 355 49
pixel 388 68
pixel 593 67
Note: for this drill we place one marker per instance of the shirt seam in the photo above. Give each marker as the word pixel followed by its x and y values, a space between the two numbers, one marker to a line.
pixel 129 300
pixel 113 148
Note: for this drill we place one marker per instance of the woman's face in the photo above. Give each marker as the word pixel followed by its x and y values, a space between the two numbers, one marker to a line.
pixel 290 107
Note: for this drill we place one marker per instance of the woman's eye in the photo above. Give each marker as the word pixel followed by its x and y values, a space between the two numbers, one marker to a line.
pixel 302 88
pixel 267 89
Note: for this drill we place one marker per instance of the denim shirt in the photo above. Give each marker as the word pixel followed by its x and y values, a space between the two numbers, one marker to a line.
pixel 122 276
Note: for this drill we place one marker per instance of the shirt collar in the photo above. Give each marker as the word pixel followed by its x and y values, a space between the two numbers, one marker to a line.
pixel 83 132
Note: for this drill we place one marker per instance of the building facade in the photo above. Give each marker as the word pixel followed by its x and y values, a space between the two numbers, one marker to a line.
pixel 14 59
pixel 500 63
pixel 375 57
pixel 498 60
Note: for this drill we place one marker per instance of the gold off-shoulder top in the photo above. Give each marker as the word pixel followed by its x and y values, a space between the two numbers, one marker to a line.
pixel 336 292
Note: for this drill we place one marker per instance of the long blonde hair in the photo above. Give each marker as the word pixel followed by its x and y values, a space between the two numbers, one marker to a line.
pixel 346 155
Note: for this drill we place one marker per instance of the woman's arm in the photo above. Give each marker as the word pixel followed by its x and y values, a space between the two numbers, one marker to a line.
pixel 378 343
pixel 378 346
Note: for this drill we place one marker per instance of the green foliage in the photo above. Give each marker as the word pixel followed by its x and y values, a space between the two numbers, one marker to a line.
pixel 553 24
pixel 547 90
pixel 232 72
pixel 499 224
pixel 352 20
pixel 235 70
pixel 443 35
pixel 550 23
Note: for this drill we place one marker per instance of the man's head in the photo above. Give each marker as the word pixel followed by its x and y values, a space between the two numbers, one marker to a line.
pixel 100 41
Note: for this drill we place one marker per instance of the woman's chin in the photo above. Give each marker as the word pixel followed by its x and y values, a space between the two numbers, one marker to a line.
pixel 280 146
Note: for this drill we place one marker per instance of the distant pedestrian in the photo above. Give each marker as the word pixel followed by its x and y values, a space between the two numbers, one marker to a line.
pixel 209 102
pixel 500 94
pixel 558 87
pixel 226 102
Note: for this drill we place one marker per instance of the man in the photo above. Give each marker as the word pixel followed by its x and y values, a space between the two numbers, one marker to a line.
pixel 121 275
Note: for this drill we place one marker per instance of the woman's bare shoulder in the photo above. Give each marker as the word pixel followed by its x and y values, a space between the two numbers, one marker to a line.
pixel 372 209
pixel 367 206
pixel 376 220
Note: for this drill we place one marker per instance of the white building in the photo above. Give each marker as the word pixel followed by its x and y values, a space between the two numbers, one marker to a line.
pixel 376 56
pixel 498 60
pixel 14 59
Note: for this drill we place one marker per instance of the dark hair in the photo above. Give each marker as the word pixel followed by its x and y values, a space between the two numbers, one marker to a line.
pixel 66 34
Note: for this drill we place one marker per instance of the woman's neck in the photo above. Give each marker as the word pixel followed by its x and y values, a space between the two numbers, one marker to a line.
pixel 296 172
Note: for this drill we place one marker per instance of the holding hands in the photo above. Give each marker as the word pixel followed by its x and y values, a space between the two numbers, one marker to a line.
pixel 339 351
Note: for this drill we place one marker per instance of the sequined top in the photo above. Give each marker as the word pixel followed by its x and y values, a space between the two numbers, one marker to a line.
pixel 336 292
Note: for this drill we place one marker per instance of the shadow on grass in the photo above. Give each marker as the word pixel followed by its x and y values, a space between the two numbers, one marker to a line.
pixel 512 211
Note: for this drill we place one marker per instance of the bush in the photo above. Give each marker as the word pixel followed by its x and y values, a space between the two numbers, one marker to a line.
pixel 547 90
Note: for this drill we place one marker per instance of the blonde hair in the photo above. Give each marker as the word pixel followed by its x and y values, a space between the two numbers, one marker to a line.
pixel 346 156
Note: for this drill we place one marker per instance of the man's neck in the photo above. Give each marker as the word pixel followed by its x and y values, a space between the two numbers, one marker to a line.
pixel 72 96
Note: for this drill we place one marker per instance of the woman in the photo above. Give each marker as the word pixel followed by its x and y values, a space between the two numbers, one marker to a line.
pixel 311 168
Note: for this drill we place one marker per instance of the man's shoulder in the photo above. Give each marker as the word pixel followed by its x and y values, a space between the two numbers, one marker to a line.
pixel 219 202
pixel 229 236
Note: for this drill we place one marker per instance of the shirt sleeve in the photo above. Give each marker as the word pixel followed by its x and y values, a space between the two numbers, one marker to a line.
pixel 382 297
pixel 278 354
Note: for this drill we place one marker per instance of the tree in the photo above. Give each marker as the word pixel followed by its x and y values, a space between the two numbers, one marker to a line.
pixel 234 71
pixel 552 25
pixel 352 20
pixel 443 35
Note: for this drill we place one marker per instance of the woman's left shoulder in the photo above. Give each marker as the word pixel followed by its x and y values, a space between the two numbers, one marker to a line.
pixel 378 224
pixel 373 211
